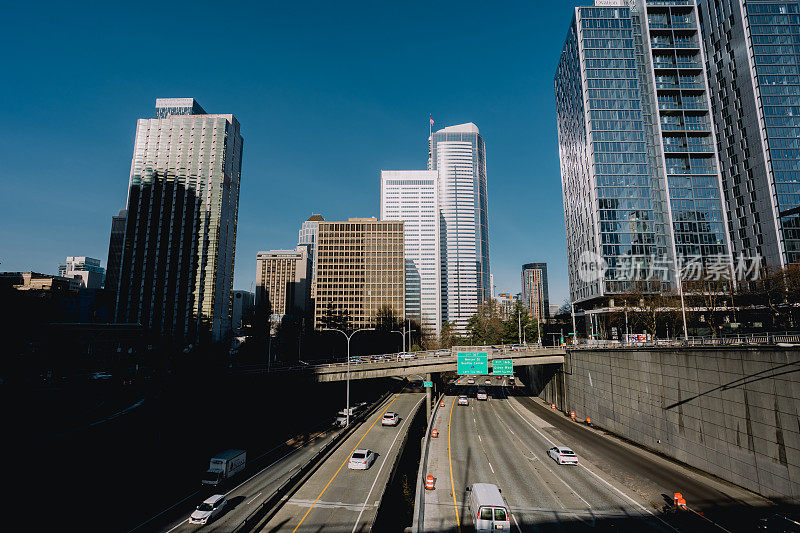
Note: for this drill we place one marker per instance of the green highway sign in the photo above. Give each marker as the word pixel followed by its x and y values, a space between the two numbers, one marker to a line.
pixel 503 367
pixel 427 384
pixel 472 363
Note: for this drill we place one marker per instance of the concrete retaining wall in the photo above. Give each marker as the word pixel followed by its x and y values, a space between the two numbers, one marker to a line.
pixel 730 412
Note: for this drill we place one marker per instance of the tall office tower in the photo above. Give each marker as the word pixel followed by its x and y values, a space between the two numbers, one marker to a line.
pixel 535 294
pixel 86 269
pixel 639 168
pixel 360 272
pixel 176 273
pixel 412 196
pixel 283 278
pixel 115 245
pixel 308 235
pixel 752 58
pixel 459 155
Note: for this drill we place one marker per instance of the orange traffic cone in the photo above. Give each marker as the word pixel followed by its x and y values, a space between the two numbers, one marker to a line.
pixel 441 404
pixel 435 433
pixel 429 482
pixel 552 406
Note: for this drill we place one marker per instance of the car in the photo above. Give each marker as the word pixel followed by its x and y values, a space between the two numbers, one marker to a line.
pixel 778 523
pixel 209 509
pixel 390 419
pixel 563 455
pixel 357 360
pixel 482 395
pixel 361 459
pixel 405 355
pixel 487 381
pixel 470 381
pixel 463 400
pixel 101 376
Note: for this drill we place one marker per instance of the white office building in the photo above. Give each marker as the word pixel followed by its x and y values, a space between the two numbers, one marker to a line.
pixel 458 154
pixel 412 196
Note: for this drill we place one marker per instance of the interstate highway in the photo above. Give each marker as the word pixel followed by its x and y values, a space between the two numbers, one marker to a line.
pixel 504 441
pixel 338 499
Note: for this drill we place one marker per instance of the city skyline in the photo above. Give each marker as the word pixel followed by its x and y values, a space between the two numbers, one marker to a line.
pixel 280 108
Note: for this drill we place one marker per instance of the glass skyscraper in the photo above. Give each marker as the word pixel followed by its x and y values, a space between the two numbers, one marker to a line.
pixel 752 53
pixel 639 165
pixel 308 236
pixel 176 270
pixel 459 155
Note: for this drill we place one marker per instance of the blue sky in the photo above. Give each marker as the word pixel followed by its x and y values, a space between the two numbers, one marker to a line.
pixel 328 94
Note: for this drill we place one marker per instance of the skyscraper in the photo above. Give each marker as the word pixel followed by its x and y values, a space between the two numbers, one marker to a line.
pixel 535 293
pixel 412 196
pixel 176 273
pixel 360 272
pixel 458 154
pixel 115 245
pixel 752 56
pixel 308 235
pixel 639 167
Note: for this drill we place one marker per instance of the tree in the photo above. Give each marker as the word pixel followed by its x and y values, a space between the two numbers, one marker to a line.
pixel 485 326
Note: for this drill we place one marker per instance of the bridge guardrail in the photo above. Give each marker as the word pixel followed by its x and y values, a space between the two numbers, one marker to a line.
pixel 419 499
pixel 755 339
pixel 271 502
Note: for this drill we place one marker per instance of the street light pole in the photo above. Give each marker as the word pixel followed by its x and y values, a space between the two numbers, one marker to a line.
pixel 348 337
pixel 402 334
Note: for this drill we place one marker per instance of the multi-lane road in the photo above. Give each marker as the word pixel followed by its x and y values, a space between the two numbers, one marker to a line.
pixel 616 486
pixel 336 498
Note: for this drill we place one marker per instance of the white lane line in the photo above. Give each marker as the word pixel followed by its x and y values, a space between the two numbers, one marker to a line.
pixel 262 470
pixel 637 504
pixel 254 498
pixel 490 467
pixel 479 438
pixel 516 523
pixel 179 525
pixel 358 519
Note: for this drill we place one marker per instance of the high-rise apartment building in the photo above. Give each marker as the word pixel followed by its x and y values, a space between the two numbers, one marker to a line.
pixel 115 245
pixel 360 272
pixel 458 154
pixel 176 271
pixel 412 196
pixel 85 269
pixel 639 165
pixel 283 278
pixel 752 57
pixel 535 294
pixel 308 236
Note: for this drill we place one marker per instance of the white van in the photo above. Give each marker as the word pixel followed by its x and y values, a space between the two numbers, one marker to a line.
pixel 489 510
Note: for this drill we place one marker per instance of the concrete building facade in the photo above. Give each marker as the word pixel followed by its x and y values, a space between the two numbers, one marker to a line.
pixel 360 272
pixel 412 197
pixel 308 236
pixel 85 269
pixel 176 270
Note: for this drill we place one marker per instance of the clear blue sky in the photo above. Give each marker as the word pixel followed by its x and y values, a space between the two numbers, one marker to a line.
pixel 328 94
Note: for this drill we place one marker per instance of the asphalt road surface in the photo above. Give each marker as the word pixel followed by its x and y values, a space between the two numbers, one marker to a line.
pixel 338 499
pixel 505 440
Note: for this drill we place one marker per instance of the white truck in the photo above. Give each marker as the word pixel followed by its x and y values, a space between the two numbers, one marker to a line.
pixel 224 465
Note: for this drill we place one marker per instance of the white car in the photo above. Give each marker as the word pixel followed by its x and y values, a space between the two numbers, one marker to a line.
pixel 563 455
pixel 405 355
pixel 482 395
pixel 463 400
pixel 361 460
pixel 470 381
pixel 207 510
pixel 487 382
pixel 390 419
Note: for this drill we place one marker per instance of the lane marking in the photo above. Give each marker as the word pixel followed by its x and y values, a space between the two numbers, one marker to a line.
pixel 615 489
pixel 450 462
pixel 490 465
pixel 708 519
pixel 344 463
pixel 254 498
pixel 413 409
pixel 165 510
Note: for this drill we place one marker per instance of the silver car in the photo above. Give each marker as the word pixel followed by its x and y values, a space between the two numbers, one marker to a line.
pixel 207 510
pixel 361 460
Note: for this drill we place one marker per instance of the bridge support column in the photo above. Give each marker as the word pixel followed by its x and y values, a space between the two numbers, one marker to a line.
pixel 428 398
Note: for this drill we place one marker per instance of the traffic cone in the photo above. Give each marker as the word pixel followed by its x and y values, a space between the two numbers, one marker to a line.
pixel 552 406
pixel 429 482
pixel 435 433
pixel 441 404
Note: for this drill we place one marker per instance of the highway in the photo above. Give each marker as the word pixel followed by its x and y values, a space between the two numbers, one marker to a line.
pixel 244 497
pixel 505 440
pixel 336 498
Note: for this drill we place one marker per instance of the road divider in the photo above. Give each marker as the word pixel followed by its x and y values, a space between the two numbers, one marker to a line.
pixel 419 499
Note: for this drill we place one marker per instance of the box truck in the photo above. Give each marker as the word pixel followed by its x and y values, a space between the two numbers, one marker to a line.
pixel 223 466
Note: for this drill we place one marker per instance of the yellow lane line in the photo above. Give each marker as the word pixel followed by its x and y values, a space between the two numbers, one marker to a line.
pixel 344 463
pixel 450 461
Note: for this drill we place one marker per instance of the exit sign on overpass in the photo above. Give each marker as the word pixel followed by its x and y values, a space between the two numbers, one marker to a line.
pixel 503 367
pixel 472 363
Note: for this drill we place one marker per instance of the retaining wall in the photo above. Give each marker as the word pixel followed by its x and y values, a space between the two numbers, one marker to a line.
pixel 732 412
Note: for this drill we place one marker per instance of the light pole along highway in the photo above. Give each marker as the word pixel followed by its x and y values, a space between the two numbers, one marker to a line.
pixel 348 337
